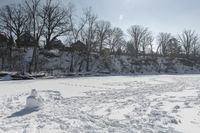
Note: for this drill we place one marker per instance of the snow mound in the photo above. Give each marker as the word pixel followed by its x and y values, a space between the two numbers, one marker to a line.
pixel 34 100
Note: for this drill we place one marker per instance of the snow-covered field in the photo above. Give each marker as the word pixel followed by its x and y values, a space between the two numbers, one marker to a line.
pixel 121 104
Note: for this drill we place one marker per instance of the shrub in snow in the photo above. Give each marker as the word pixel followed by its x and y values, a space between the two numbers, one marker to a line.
pixel 34 100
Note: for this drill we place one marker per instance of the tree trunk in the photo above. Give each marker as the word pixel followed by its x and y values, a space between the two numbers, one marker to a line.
pixel 34 60
pixel 101 47
pixel 2 61
pixel 72 63
pixel 88 63
pixel 80 67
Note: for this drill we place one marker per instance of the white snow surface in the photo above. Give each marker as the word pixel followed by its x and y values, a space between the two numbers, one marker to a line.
pixel 119 104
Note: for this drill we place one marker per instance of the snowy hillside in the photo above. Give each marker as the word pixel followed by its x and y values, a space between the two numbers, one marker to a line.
pixel 57 62
pixel 61 61
pixel 103 104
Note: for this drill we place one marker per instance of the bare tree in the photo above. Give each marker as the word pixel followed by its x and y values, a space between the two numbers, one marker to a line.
pixel 189 41
pixel 57 21
pixel 163 39
pixel 36 28
pixel 116 39
pixel 103 30
pixel 130 50
pixel 14 19
pixel 89 34
pixel 13 22
pixel 137 34
pixel 150 42
pixel 77 25
pixel 147 42
pixel 174 47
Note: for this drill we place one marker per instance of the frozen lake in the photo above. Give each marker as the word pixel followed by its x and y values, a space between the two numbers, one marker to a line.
pixel 157 103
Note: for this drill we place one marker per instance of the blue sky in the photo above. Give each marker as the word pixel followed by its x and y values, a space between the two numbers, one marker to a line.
pixel 159 15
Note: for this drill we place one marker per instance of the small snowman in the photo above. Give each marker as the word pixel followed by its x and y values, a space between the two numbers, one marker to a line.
pixel 34 101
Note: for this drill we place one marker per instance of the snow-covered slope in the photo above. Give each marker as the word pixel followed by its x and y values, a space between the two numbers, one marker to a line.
pixel 121 65
pixel 56 62
pixel 165 103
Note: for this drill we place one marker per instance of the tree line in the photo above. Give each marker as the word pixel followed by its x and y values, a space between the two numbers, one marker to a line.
pixel 49 20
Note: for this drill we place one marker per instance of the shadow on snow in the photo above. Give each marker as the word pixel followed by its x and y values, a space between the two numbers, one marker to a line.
pixel 23 112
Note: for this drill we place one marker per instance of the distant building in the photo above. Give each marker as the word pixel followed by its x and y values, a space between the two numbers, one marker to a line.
pixel 26 40
pixel 78 46
pixel 3 41
pixel 55 44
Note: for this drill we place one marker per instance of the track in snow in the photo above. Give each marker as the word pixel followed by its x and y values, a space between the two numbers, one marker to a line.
pixel 137 104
